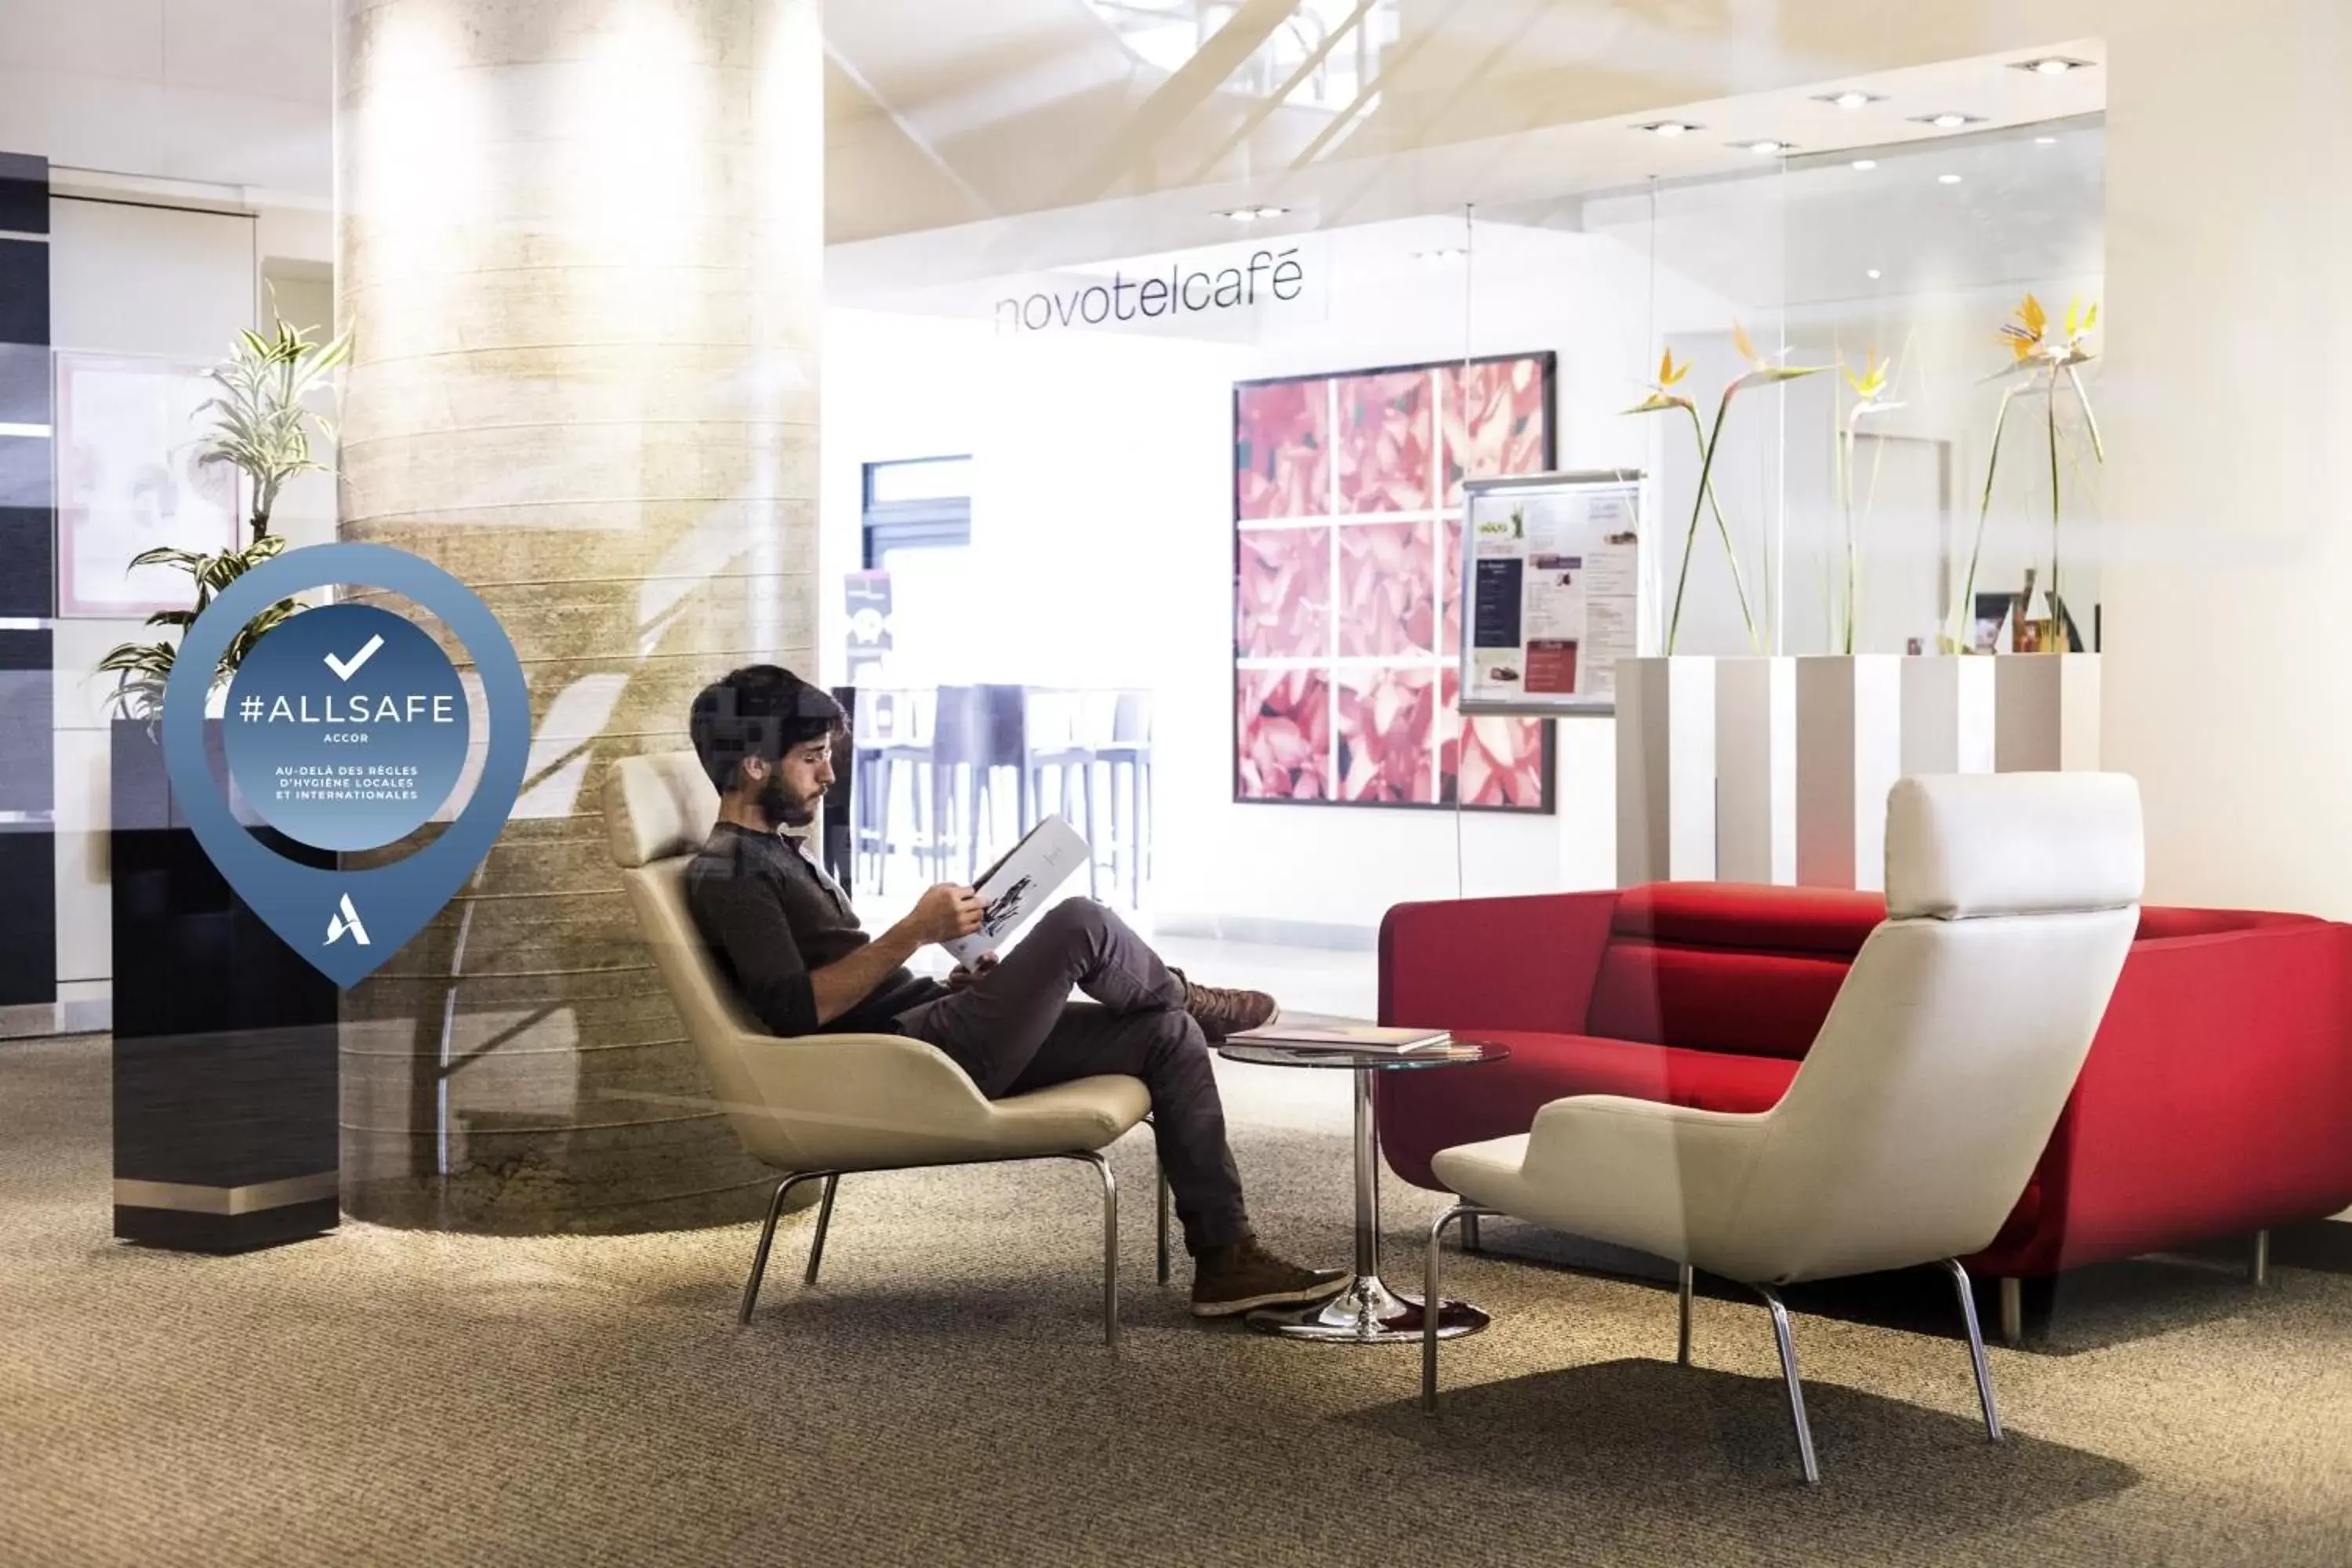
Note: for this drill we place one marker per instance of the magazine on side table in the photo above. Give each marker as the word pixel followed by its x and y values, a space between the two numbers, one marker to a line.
pixel 1315 1031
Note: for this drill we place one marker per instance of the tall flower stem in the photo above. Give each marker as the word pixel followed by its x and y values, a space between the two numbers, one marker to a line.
pixel 1699 505
pixel 1851 553
pixel 2057 602
pixel 1961 612
pixel 2091 420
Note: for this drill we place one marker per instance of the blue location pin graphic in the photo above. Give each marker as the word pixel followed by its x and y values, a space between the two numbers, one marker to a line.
pixel 346 728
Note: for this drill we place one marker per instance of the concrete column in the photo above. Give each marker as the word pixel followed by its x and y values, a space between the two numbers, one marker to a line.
pixel 2230 480
pixel 580 246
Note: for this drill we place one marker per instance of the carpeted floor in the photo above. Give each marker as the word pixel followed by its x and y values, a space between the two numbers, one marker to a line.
pixel 381 1397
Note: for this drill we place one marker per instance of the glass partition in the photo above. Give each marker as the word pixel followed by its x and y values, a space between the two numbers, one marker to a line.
pixel 1468 510
pixel 1210 557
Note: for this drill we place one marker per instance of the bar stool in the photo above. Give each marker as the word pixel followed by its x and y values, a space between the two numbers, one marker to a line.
pixel 1052 742
pixel 902 734
pixel 1129 746
pixel 956 724
pixel 980 732
pixel 1003 735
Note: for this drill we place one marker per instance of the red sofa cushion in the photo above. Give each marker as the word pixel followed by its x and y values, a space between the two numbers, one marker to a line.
pixel 1724 966
pixel 2163 924
pixel 1716 966
pixel 1449 1105
pixel 1751 917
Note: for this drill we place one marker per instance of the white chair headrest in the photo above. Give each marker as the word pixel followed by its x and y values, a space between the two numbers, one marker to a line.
pixel 1964 845
pixel 658 806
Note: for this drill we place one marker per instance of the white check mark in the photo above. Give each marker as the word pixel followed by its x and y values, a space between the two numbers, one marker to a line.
pixel 345 668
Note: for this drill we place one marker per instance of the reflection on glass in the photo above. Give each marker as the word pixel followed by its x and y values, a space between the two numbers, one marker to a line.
pixel 1325 51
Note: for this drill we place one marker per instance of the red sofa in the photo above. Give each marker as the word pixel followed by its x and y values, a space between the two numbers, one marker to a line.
pixel 2217 1098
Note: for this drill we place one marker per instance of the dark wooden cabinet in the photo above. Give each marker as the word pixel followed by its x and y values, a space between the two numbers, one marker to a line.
pixel 226 1131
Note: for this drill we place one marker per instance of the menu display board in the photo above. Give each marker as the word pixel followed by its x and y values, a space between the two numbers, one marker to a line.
pixel 1553 573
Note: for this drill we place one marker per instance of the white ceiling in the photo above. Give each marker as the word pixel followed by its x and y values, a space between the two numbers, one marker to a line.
pixel 2029 206
pixel 1541 177
pixel 1015 133
pixel 233 93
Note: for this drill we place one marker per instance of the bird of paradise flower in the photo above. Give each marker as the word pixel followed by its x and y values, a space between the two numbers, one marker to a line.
pixel 1869 386
pixel 2041 361
pixel 1662 396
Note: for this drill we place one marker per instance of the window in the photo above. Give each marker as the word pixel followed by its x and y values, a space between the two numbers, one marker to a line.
pixel 920 503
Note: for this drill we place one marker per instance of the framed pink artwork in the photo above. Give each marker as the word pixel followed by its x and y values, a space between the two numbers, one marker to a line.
pixel 1347 566
pixel 128 481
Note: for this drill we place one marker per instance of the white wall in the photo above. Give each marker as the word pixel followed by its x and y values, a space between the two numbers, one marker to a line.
pixel 135 280
pixel 229 92
pixel 2229 238
pixel 1103 538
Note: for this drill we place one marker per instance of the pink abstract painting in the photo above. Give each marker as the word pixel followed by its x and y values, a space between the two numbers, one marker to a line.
pixel 1449 587
pixel 1495 419
pixel 1385 440
pixel 1388 589
pixel 1387 729
pixel 1282 592
pixel 1490 762
pixel 1282 449
pixel 1346 630
pixel 1282 724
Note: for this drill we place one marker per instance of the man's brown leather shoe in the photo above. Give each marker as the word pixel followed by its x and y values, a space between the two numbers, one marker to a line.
pixel 1221 1011
pixel 1245 1277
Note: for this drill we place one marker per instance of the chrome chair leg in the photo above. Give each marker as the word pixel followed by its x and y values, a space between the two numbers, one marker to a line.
pixel 2012 1311
pixel 768 1237
pixel 823 1219
pixel 1110 1244
pixel 1796 1389
pixel 1976 1349
pixel 2258 1268
pixel 1688 1281
pixel 1159 1239
pixel 1433 1301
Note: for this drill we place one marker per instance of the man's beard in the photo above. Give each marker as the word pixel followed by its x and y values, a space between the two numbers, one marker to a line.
pixel 780 808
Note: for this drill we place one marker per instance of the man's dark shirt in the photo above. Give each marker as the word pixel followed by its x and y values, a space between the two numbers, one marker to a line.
pixel 770 917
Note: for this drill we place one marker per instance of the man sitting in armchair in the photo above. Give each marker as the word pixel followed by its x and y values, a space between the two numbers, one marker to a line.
pixel 784 933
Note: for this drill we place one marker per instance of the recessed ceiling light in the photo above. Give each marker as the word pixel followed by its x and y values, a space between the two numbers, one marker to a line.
pixel 1249 214
pixel 1668 128
pixel 2045 141
pixel 1948 179
pixel 1875 274
pixel 1865 165
pixel 2053 64
pixel 1853 98
pixel 1950 120
pixel 1766 148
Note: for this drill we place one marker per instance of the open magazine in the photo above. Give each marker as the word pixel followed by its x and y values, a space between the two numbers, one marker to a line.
pixel 1315 1031
pixel 1018 886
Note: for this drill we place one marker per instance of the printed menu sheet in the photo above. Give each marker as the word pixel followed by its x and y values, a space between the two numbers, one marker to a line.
pixel 1554 569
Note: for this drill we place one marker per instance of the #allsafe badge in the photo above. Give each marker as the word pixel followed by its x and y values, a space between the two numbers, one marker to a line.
pixel 346 729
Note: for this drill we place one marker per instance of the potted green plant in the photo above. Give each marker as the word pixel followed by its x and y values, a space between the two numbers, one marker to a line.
pixel 223 1062
pixel 261 425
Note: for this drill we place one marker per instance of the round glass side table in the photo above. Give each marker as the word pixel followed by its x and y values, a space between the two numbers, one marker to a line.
pixel 1366 1313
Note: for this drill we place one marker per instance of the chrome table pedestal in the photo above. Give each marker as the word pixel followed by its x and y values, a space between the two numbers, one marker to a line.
pixel 1368 1312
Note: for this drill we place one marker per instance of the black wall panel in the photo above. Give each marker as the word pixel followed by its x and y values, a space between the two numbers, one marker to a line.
pixel 23 291
pixel 28 892
pixel 23 194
